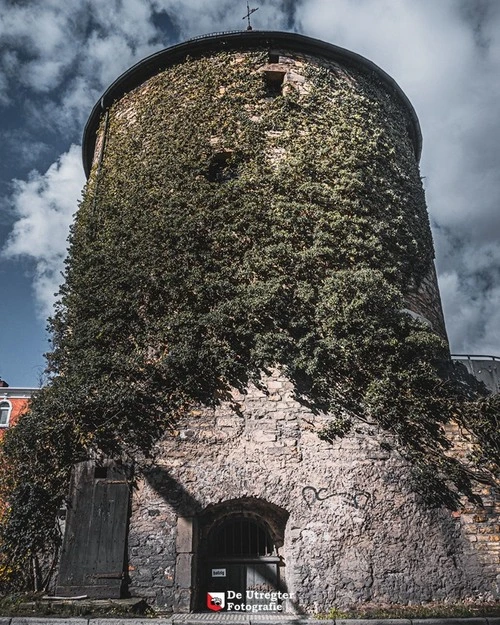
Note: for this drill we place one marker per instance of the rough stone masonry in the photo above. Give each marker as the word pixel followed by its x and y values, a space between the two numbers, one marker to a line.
pixel 355 532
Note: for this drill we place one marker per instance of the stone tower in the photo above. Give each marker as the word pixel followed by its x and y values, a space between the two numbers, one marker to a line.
pixel 242 495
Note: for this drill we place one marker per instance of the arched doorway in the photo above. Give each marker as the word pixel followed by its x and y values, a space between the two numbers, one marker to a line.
pixel 240 550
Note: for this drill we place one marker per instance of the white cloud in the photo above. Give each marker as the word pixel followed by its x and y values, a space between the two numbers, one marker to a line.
pixel 479 313
pixel 43 76
pixel 22 148
pixel 108 56
pixel 129 19
pixel 199 17
pixel 45 34
pixel 44 205
pixel 68 113
pixel 59 39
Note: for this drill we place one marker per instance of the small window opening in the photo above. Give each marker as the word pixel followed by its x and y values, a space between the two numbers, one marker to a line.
pixel 274 57
pixel 100 473
pixel 222 167
pixel 274 82
pixel 5 409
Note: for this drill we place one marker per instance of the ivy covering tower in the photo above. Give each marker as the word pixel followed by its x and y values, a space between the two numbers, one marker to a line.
pixel 251 322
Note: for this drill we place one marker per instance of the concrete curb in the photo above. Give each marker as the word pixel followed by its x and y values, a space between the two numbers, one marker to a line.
pixel 450 621
pixel 362 621
pixel 240 619
pixel 126 621
pixel 48 620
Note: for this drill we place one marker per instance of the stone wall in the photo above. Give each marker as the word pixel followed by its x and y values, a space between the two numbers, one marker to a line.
pixel 355 531
pixel 480 525
pixel 426 301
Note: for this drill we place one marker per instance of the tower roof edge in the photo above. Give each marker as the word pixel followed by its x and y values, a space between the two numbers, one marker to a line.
pixel 228 41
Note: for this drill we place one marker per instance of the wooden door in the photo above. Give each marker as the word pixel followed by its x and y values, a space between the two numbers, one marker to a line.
pixel 93 554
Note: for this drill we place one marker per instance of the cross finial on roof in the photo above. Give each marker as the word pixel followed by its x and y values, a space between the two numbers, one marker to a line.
pixel 247 16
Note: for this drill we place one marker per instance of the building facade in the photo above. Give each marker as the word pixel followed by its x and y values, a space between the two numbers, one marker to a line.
pixel 13 402
pixel 245 497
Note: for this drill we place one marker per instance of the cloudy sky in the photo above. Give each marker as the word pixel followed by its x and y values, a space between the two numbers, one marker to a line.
pixel 57 57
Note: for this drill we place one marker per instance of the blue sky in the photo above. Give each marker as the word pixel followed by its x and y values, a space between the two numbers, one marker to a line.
pixel 56 58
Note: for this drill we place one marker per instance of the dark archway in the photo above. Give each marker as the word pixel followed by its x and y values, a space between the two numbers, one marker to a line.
pixel 241 550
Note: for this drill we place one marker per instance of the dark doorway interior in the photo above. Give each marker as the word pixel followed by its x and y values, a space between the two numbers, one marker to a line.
pixel 240 550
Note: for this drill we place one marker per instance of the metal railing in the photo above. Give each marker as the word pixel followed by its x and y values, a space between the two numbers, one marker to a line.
pixel 475 357
pixel 483 367
pixel 216 34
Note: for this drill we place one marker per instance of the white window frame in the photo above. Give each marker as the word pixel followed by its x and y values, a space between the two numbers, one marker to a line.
pixel 9 411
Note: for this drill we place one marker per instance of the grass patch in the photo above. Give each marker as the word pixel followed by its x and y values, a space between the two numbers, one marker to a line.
pixel 32 604
pixel 427 610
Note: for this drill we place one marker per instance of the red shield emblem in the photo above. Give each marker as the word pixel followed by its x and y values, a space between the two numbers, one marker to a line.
pixel 216 601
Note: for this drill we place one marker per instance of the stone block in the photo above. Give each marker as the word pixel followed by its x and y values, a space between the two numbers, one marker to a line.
pixel 183 570
pixel 187 619
pixel 168 575
pixel 264 437
pixel 274 384
pixel 146 591
pixel 491 538
pixel 228 421
pixel 184 540
pixel 182 601
pixel 294 77
pixel 145 574
pixel 277 451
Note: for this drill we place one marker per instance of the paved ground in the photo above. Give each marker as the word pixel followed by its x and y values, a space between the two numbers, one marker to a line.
pixel 239 619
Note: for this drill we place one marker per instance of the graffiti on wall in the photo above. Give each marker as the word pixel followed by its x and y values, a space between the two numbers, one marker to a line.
pixel 357 498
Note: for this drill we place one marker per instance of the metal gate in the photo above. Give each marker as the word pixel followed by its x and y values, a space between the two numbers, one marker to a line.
pixel 241 558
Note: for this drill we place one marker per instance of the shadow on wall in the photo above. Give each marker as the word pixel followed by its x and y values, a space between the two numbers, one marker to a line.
pixel 250 564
